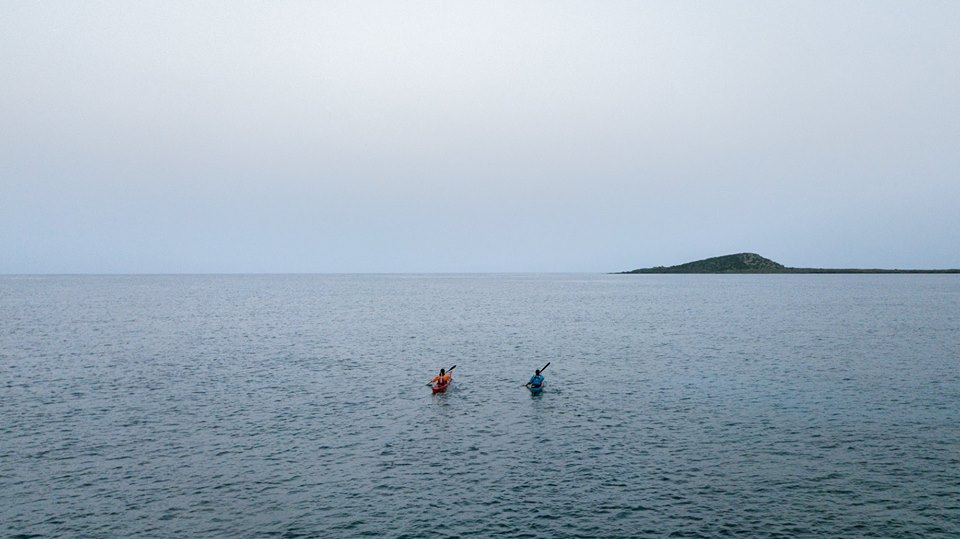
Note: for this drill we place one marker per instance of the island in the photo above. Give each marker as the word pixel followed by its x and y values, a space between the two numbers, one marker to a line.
pixel 754 263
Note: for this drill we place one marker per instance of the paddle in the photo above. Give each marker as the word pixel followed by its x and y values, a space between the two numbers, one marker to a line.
pixel 448 371
pixel 541 372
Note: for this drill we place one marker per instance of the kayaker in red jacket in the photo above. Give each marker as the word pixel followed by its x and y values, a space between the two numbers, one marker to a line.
pixel 442 379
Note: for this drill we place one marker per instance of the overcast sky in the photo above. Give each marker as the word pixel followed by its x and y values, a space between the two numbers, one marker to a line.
pixel 476 136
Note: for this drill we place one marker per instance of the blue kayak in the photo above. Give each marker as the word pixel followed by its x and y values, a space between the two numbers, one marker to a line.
pixel 536 390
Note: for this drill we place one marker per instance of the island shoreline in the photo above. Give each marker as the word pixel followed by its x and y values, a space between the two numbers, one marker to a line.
pixel 752 263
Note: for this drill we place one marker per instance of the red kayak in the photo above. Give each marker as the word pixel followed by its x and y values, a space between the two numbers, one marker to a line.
pixel 440 388
pixel 442 384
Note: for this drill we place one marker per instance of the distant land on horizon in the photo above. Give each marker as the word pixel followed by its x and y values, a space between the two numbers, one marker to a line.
pixel 754 263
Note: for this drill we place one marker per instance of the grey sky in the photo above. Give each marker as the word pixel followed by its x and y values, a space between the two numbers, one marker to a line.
pixel 476 136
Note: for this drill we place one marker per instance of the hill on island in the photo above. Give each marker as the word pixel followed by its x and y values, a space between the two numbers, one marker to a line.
pixel 754 263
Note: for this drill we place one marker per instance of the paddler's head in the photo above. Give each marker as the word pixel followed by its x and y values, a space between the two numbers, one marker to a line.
pixel 538 372
pixel 442 372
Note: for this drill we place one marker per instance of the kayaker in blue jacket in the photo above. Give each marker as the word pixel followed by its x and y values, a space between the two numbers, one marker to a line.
pixel 536 380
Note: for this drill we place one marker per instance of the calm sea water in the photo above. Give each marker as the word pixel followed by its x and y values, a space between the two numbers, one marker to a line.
pixel 687 406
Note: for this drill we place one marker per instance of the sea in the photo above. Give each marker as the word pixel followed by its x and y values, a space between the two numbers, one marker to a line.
pixel 210 406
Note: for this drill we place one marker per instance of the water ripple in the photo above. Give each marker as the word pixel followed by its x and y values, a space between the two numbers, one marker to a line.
pixel 295 406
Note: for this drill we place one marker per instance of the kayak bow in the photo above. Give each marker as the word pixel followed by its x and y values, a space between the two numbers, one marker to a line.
pixel 440 388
